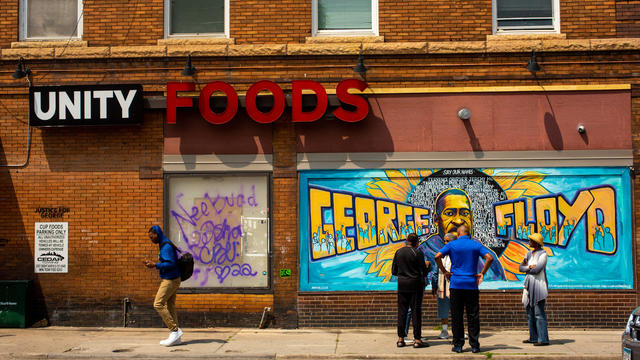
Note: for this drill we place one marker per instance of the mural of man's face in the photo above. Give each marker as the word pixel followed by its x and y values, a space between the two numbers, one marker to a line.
pixel 455 212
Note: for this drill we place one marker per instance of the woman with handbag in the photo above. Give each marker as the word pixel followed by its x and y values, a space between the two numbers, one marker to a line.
pixel 536 291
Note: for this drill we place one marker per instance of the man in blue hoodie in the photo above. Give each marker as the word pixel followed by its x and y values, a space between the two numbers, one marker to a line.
pixel 165 302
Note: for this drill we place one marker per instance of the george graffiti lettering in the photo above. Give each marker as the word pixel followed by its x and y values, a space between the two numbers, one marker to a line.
pixel 344 222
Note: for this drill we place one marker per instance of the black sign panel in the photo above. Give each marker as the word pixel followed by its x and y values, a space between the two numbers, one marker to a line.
pixel 86 105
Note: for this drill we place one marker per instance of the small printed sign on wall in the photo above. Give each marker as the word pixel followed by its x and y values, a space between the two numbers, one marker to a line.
pixel 285 273
pixel 51 247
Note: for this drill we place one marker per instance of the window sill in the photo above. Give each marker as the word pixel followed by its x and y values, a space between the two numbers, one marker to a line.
pixel 196 41
pixel 333 39
pixel 48 44
pixel 526 36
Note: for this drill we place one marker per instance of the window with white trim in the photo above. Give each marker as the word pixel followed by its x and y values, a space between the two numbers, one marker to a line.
pixel 190 18
pixel 50 19
pixel 526 16
pixel 345 17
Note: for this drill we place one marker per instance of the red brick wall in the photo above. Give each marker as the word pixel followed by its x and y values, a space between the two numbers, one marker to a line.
pixel 580 309
pixel 95 173
pixel 441 20
pixel 588 19
pixel 8 22
pixel 122 22
pixel 283 21
pixel 628 16
pixel 285 222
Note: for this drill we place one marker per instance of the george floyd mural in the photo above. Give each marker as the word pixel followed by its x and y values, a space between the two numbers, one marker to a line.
pixel 353 221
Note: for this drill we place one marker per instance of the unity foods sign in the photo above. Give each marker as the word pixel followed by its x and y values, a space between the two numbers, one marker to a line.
pixel 356 109
pixel 85 105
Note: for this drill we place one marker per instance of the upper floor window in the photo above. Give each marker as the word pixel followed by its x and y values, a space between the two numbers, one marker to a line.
pixel 50 19
pixel 186 18
pixel 345 17
pixel 518 16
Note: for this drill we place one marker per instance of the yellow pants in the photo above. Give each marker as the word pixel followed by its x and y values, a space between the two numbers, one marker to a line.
pixel 165 302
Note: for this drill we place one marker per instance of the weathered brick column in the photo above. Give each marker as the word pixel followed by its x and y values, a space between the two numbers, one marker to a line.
pixel 285 224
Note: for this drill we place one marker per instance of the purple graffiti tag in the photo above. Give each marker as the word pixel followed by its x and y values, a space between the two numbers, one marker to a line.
pixel 220 202
pixel 215 242
pixel 222 272
pixel 234 270
pixel 207 230
pixel 194 276
pixel 206 277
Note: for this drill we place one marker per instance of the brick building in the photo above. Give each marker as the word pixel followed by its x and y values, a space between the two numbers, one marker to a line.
pixel 299 215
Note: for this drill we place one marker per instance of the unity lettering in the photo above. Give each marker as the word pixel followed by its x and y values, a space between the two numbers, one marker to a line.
pixel 73 105
pixel 80 103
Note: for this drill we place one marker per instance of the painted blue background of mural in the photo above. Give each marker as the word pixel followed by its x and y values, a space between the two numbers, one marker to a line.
pixel 571 266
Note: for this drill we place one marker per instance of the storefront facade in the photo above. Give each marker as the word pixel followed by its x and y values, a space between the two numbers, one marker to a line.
pixel 294 203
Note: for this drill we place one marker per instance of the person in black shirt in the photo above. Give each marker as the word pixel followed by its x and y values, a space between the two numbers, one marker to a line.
pixel 410 268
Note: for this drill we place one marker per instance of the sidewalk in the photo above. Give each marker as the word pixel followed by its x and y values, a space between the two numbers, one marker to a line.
pixel 247 343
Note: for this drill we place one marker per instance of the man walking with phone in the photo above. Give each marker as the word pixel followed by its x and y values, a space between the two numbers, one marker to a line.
pixel 165 302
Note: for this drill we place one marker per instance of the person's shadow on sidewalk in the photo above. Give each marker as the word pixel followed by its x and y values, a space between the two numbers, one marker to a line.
pixel 203 341
pixel 561 341
pixel 487 348
pixel 511 347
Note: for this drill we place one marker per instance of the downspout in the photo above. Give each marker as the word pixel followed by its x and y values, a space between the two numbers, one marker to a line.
pixel 125 310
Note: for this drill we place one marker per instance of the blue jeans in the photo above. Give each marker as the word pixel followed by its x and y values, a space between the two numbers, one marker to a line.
pixel 406 328
pixel 537 319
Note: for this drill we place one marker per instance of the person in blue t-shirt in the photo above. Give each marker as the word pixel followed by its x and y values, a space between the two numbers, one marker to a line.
pixel 464 253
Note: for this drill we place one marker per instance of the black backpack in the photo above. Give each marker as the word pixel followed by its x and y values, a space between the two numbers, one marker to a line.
pixel 185 263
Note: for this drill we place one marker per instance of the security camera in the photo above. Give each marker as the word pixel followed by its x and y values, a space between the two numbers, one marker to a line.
pixel 581 129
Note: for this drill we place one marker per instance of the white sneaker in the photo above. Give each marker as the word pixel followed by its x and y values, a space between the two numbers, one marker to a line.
pixel 175 338
pixel 165 341
pixel 443 335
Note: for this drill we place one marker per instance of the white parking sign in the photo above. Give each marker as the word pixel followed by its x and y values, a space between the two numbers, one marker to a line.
pixel 51 247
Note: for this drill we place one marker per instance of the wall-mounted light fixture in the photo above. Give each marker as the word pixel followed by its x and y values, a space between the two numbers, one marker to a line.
pixel 21 70
pixel 464 114
pixel 189 70
pixel 360 68
pixel 581 129
pixel 533 65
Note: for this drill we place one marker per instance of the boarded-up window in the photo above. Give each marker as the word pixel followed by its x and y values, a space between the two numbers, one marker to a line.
pixel 223 221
